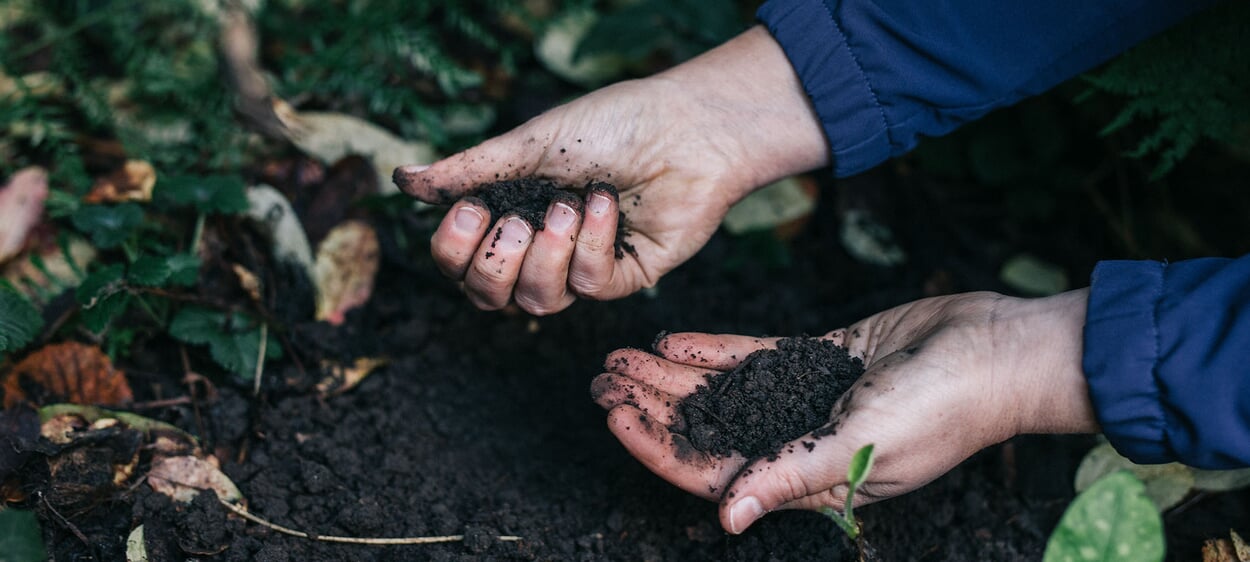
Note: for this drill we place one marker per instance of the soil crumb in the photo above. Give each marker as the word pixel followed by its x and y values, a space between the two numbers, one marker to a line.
pixel 774 396
pixel 529 199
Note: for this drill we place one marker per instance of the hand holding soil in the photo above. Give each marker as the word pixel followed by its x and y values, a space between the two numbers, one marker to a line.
pixel 681 147
pixel 945 377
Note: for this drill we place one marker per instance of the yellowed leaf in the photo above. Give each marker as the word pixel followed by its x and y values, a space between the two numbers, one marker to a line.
pixel 341 378
pixel 182 478
pixel 21 209
pixel 1239 546
pixel 67 372
pixel 1218 550
pixel 247 280
pixel 57 272
pixel 132 182
pixel 347 262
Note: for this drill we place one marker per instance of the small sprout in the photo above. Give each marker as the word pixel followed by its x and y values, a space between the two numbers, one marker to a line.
pixel 856 475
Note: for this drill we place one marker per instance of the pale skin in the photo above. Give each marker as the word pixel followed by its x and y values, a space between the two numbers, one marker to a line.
pixel 945 377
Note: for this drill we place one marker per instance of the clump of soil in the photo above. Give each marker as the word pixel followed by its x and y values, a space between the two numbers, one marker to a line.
pixel 529 199
pixel 771 398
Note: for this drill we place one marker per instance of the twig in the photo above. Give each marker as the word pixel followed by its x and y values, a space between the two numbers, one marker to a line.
pixel 260 358
pixel 153 404
pixel 241 512
pixel 72 528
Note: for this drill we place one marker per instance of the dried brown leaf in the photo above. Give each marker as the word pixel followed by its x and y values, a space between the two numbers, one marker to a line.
pixel 182 478
pixel 1218 550
pixel 132 182
pixel 248 281
pixel 57 273
pixel 1239 546
pixel 21 209
pixel 341 378
pixel 347 262
pixel 67 372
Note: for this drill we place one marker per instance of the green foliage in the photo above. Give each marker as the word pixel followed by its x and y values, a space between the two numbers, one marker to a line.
pixel 20 537
pixel 103 297
pixel 20 321
pixel 1192 82
pixel 109 226
pixel 225 194
pixel 1111 521
pixel 233 339
pixel 856 474
pixel 682 28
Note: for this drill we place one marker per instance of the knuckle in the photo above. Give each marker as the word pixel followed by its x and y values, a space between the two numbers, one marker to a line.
pixel 535 305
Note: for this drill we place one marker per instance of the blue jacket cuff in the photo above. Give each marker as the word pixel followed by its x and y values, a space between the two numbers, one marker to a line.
pixel 833 79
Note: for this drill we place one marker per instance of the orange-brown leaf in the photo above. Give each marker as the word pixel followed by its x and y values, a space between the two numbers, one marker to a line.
pixel 132 182
pixel 67 372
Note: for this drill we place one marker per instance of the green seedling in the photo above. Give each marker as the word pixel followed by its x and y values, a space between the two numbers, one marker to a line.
pixel 856 475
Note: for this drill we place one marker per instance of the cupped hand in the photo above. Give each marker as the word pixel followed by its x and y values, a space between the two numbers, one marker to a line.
pixel 681 147
pixel 945 377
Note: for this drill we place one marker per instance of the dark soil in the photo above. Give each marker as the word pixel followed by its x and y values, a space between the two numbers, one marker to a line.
pixel 771 398
pixel 529 198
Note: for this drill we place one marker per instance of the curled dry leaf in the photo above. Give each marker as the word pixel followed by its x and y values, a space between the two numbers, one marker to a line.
pixel 347 262
pixel 248 281
pixel 341 378
pixel 132 182
pixel 21 209
pixel 331 136
pixel 182 478
pixel 67 372
pixel 273 213
pixel 783 204
pixel 47 267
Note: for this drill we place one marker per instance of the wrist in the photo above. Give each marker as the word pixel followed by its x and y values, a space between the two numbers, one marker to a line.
pixel 754 108
pixel 1043 341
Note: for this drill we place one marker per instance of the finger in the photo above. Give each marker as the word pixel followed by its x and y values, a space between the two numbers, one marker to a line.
pixel 670 455
pixel 714 351
pixel 543 286
pixel 594 259
pixel 610 390
pixel 804 474
pixel 458 236
pixel 508 156
pixel 673 378
pixel 493 273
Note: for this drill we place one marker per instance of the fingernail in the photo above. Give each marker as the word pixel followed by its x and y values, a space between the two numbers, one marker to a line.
pixel 560 218
pixel 743 513
pixel 599 204
pixel 516 232
pixel 468 219
pixel 414 168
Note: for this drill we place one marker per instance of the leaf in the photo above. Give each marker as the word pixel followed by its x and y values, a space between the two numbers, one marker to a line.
pixel 870 241
pixel 184 269
pixel 347 262
pixel 149 271
pixel 1221 480
pixel 563 50
pixel 861 465
pixel 342 378
pixel 1111 521
pixel 331 136
pixel 132 182
pixel 182 478
pixel 103 297
pixel 67 372
pixel 271 210
pixel 20 537
pixel 108 226
pixel 1033 276
pixel 136 549
pixel 20 322
pixel 1166 484
pixel 52 264
pixel 223 194
pixel 232 339
pixel 93 414
pixel 771 206
pixel 21 209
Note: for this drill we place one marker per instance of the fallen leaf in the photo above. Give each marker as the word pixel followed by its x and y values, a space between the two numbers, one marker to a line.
pixel 557 50
pixel 1033 276
pixel 341 378
pixel 1165 484
pixel 331 136
pixel 52 263
pixel 271 210
pixel 91 414
pixel 182 478
pixel 21 209
pixel 136 550
pixel 1239 546
pixel 132 182
pixel 774 205
pixel 69 372
pixel 1219 550
pixel 870 241
pixel 1221 480
pixel 347 262
pixel 92 462
pixel 247 280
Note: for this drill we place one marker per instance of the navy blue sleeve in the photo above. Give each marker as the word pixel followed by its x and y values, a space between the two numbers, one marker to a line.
pixel 883 73
pixel 1167 357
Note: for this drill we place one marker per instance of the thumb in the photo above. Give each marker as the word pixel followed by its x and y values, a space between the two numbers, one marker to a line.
pixel 802 476
pixel 505 157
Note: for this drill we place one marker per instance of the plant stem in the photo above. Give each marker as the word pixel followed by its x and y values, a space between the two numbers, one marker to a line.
pixel 196 235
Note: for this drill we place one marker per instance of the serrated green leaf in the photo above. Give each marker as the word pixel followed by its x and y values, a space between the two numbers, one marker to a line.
pixel 861 465
pixel 61 204
pixel 108 226
pixel 20 537
pixel 101 282
pixel 20 321
pixel 1111 521
pixel 98 316
pixel 184 269
pixel 149 271
pixel 206 194
pixel 232 339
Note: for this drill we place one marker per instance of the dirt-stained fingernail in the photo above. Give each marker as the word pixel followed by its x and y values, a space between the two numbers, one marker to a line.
pixel 598 204
pixel 743 513
pixel 560 218
pixel 516 233
pixel 414 168
pixel 468 219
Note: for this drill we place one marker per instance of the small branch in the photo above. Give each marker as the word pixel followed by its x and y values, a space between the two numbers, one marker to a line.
pixel 260 358
pixel 154 404
pixel 72 528
pixel 241 512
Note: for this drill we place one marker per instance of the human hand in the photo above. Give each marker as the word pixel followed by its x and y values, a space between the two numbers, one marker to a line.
pixel 945 377
pixel 681 147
